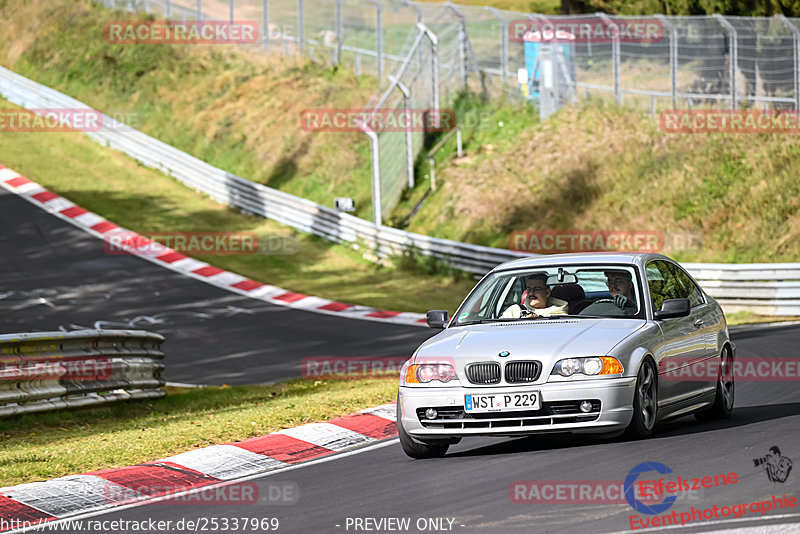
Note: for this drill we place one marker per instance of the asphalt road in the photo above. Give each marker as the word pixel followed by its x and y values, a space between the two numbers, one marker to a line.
pixel 54 275
pixel 470 486
pixel 468 490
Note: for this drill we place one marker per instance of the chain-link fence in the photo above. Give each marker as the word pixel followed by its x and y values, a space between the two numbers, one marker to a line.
pixel 653 63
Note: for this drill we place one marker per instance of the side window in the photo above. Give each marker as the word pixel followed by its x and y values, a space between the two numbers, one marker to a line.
pixel 663 283
pixel 689 288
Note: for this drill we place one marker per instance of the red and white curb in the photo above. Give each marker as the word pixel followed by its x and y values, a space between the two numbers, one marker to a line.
pixel 169 258
pixel 90 492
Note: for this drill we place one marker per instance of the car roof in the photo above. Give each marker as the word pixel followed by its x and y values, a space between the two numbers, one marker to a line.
pixel 632 258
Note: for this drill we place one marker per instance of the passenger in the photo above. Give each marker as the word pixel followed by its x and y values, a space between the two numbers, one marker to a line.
pixel 538 302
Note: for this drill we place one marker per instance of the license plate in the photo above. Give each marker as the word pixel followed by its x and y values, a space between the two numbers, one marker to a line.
pixel 501 402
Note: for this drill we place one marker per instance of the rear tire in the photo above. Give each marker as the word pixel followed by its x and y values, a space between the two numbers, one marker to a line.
pixel 645 403
pixel 723 401
pixel 417 449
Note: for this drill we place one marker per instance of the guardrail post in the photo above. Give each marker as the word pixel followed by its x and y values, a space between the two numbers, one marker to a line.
pixel 339 32
pixel 230 10
pixel 733 54
pixel 796 64
pixel 503 44
pixel 459 149
pixel 432 164
pixel 301 29
pixel 615 52
pixel 199 9
pixel 673 58
pixel 409 148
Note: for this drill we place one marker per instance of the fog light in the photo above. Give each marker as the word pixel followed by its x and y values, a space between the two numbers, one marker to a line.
pixel 586 406
pixel 430 413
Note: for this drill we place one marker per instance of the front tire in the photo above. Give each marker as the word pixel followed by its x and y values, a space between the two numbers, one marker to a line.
pixel 723 401
pixel 645 403
pixel 417 449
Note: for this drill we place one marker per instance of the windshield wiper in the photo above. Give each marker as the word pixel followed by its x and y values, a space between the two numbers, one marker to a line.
pixel 484 321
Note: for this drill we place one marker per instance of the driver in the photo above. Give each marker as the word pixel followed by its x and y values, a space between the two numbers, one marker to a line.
pixel 538 302
pixel 620 285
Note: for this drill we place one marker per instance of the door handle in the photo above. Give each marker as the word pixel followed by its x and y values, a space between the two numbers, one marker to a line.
pixel 698 323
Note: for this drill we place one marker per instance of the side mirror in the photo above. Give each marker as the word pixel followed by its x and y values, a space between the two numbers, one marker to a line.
pixel 438 318
pixel 673 308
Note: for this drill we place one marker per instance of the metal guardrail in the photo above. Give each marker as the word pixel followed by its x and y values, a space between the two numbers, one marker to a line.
pixel 55 370
pixel 772 289
pixel 255 198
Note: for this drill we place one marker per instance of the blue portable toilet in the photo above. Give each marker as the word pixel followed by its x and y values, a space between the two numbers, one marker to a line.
pixel 538 43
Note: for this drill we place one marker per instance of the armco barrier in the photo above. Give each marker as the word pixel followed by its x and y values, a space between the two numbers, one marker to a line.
pixel 53 370
pixel 772 289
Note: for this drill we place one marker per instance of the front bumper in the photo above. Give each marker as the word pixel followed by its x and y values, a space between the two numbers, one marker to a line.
pixel 612 401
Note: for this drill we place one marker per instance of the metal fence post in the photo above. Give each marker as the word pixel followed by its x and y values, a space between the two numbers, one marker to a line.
pixel 301 30
pixel 230 10
pixel 379 38
pixel 503 44
pixel 265 22
pixel 409 148
pixel 199 9
pixel 796 64
pixel 434 67
pixel 614 55
pixel 339 33
pixel 673 58
pixel 462 41
pixel 167 9
pixel 733 55
pixel 418 11
pixel 376 172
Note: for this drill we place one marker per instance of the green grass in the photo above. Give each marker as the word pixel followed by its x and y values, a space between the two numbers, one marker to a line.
pixel 233 107
pixel 144 200
pixel 745 317
pixel 48 445
pixel 595 166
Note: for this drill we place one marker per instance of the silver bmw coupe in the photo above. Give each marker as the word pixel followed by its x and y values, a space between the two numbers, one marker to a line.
pixel 599 343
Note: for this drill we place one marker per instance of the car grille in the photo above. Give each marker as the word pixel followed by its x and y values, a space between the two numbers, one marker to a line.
pixel 521 372
pixel 551 413
pixel 484 373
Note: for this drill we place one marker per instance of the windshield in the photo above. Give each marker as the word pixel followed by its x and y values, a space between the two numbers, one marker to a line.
pixel 542 292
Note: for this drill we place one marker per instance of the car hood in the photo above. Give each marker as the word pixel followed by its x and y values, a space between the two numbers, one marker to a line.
pixel 545 340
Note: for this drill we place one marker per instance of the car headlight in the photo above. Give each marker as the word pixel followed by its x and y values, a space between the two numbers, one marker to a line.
pixel 592 366
pixel 428 372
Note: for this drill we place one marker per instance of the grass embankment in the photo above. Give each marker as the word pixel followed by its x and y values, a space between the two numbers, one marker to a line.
pixel 48 445
pixel 236 108
pixel 600 167
pixel 145 200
